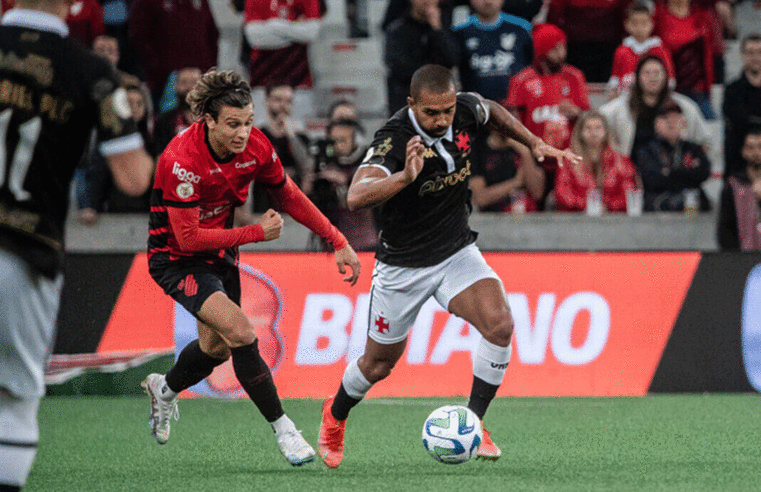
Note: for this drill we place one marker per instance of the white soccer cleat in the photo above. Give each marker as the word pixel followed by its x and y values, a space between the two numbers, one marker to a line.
pixel 294 447
pixel 162 410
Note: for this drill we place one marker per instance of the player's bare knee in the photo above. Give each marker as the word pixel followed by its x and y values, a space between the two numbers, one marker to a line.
pixel 240 334
pixel 379 370
pixel 499 330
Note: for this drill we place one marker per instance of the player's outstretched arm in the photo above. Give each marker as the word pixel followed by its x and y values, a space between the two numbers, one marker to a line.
pixel 298 206
pixel 503 121
pixel 347 257
pixel 371 185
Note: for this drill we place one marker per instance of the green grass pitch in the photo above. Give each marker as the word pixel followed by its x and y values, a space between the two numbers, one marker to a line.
pixel 656 443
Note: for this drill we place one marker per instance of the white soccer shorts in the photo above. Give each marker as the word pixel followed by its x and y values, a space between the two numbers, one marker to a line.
pixel 398 293
pixel 29 306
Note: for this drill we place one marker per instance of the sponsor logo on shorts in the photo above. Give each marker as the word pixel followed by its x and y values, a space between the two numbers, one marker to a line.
pixel 189 285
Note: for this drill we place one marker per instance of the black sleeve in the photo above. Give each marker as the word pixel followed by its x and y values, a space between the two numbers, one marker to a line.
pixel 727 234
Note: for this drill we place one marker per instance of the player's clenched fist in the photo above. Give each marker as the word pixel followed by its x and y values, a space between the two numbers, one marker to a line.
pixel 272 224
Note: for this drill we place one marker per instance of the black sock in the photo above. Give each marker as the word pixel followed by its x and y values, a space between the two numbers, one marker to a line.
pixel 9 488
pixel 342 404
pixel 192 366
pixel 481 394
pixel 256 379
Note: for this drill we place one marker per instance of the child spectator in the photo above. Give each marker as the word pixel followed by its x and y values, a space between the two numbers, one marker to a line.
pixel 739 216
pixel 670 166
pixel 602 168
pixel 639 26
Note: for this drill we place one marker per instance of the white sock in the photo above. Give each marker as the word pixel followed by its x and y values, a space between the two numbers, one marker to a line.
pixel 354 382
pixel 283 424
pixel 490 362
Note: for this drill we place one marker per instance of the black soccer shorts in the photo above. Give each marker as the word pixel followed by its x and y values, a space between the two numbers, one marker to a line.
pixel 190 281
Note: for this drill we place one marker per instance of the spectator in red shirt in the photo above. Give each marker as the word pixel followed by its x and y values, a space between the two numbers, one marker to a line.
pixel 172 34
pixel 689 33
pixel 602 168
pixel 594 29
pixel 639 26
pixel 549 95
pixel 85 21
pixel 278 33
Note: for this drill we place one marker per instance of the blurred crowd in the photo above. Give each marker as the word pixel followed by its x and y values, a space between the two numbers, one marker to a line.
pixel 645 149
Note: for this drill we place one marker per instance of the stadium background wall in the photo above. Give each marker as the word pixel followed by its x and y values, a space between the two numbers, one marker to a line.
pixel 587 324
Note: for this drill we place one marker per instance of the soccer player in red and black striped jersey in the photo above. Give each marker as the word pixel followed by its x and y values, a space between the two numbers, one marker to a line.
pixel 203 174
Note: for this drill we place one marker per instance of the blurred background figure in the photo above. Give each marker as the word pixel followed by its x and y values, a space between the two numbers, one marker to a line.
pixel 602 169
pixel 289 141
pixel 631 115
pixel 336 164
pixel 493 47
pixel 673 169
pixel 548 96
pixel 417 38
pixel 639 26
pixel 689 33
pixel 278 32
pixel 739 226
pixel 85 21
pixel 170 123
pixel 594 29
pixel 168 35
pixel 504 176
pixel 742 103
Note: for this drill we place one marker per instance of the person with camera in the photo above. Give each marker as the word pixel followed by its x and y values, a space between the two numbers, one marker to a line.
pixel 338 157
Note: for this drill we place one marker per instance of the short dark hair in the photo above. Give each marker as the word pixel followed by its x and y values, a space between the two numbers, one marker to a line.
pixel 638 8
pixel 669 106
pixel 753 37
pixel 434 78
pixel 218 89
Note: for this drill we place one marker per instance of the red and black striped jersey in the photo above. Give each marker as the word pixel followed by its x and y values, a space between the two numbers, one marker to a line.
pixel 188 176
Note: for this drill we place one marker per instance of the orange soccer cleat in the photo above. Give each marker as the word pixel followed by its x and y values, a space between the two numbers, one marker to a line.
pixel 330 443
pixel 488 450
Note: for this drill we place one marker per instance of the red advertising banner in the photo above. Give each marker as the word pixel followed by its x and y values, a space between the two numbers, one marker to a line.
pixel 586 324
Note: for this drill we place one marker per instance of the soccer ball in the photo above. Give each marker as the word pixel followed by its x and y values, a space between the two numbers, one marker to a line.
pixel 452 434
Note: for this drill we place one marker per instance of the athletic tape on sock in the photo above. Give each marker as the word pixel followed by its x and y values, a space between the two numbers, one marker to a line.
pixel 354 382
pixel 490 362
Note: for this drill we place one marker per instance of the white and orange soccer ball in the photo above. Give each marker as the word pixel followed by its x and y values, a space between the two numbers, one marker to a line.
pixel 452 434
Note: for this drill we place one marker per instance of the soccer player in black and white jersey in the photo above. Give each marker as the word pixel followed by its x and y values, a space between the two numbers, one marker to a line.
pixel 417 171
pixel 52 93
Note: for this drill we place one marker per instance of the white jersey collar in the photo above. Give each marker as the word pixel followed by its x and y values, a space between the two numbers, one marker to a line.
pixel 429 141
pixel 640 48
pixel 32 19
